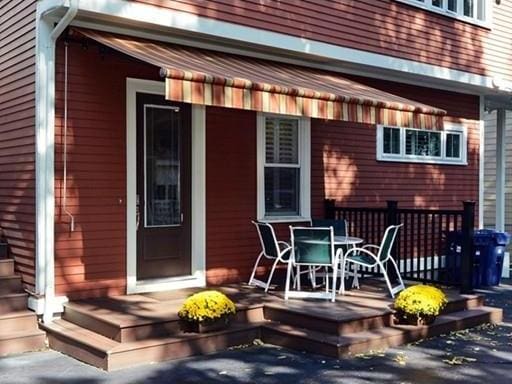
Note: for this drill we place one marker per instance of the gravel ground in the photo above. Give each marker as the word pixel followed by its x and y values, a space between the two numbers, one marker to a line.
pixel 478 355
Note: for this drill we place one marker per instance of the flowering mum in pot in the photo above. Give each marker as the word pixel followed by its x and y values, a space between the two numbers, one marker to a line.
pixel 420 304
pixel 207 311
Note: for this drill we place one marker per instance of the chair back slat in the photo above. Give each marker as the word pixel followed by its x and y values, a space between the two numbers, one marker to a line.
pixel 387 242
pixel 312 246
pixel 339 226
pixel 268 239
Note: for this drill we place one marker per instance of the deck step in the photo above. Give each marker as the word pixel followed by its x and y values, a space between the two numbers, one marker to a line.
pixel 18 321
pixel 462 302
pixel 10 284
pixel 13 302
pixel 6 267
pixel 22 341
pixel 374 339
pixel 105 353
pixel 329 322
pixel 126 327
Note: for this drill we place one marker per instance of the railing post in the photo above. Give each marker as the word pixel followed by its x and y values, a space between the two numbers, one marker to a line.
pixel 467 256
pixel 392 215
pixel 330 211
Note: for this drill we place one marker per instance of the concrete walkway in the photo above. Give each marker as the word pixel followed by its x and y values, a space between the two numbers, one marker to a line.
pixel 479 355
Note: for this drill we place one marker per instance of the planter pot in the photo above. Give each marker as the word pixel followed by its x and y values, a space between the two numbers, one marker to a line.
pixel 404 318
pixel 4 251
pixel 206 326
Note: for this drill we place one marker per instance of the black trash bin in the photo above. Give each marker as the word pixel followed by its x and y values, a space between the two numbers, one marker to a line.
pixel 453 256
pixel 490 249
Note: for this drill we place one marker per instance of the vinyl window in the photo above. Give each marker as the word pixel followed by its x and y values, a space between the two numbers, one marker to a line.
pixel 422 146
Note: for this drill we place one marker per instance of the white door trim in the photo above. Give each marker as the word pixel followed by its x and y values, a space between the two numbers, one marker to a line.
pixel 198 265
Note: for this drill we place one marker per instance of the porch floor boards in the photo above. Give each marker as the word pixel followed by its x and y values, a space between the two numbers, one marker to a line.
pixel 115 332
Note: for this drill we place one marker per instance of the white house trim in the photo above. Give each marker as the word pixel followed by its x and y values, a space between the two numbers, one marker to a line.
pixel 481 166
pixel 198 250
pixel 180 24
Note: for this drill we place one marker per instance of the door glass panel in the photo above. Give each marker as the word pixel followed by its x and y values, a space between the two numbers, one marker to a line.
pixel 162 135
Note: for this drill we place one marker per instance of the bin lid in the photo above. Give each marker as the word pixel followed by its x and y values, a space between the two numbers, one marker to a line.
pixel 486 236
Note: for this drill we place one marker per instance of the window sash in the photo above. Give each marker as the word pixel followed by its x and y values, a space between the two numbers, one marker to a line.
pixel 267 165
pixel 404 156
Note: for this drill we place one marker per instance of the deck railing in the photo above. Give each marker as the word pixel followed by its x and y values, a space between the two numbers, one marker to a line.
pixel 433 246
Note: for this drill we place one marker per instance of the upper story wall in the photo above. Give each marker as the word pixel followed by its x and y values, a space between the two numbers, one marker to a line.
pixel 387 27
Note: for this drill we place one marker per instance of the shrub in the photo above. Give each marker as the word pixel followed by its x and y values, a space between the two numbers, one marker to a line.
pixel 421 300
pixel 206 306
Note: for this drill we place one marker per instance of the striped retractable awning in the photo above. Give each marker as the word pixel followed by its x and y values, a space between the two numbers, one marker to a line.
pixel 208 77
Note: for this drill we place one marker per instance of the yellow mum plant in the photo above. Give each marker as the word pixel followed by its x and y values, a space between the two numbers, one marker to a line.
pixel 206 306
pixel 420 301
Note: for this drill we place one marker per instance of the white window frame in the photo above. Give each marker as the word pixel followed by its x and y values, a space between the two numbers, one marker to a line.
pixel 449 128
pixel 304 156
pixel 427 5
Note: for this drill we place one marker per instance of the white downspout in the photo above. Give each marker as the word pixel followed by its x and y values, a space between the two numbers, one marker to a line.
pixel 500 168
pixel 45 137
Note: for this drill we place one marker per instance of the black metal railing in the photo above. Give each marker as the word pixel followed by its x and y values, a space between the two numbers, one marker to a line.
pixel 433 246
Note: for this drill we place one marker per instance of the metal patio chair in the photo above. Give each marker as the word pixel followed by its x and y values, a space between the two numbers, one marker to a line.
pixel 340 227
pixel 312 247
pixel 382 255
pixel 272 249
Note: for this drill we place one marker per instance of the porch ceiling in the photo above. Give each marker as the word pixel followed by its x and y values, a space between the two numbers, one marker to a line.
pixel 206 77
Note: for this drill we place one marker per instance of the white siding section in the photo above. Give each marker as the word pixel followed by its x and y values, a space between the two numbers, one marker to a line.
pixel 490 172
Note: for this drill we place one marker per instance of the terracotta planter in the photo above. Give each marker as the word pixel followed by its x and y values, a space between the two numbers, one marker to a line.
pixel 404 318
pixel 206 326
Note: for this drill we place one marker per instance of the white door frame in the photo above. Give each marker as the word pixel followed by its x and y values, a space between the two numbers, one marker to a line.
pixel 198 249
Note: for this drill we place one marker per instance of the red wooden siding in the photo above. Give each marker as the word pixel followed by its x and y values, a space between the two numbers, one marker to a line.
pixel 231 239
pixel 17 134
pixel 91 261
pixel 385 26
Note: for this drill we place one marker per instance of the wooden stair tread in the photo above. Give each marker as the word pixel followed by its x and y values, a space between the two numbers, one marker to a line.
pixel 80 335
pixel 122 319
pixel 333 315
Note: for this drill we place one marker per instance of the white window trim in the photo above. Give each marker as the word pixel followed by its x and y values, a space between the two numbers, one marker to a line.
pixel 449 127
pixel 427 5
pixel 197 277
pixel 305 169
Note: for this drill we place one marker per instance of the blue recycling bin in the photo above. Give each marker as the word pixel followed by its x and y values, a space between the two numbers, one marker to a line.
pixel 489 246
pixel 489 251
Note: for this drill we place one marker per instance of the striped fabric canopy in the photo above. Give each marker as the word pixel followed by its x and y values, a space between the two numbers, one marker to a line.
pixel 207 77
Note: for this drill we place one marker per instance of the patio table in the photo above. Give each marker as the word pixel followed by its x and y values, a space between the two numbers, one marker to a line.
pixel 340 241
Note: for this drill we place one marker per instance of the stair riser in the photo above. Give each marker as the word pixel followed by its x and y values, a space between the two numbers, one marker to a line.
pixel 10 286
pixel 412 335
pixel 84 320
pixel 461 305
pixel 327 326
pixel 16 324
pixel 6 268
pixel 146 331
pixel 206 344
pixel 77 351
pixel 22 344
pixel 271 336
pixel 12 304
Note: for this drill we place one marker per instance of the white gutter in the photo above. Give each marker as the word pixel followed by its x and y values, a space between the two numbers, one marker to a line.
pixel 47 36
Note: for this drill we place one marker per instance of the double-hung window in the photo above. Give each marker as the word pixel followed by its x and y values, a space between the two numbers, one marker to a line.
pixel 473 11
pixel 283 168
pixel 422 146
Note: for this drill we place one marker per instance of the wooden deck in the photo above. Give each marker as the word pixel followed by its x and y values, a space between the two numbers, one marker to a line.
pixel 117 332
